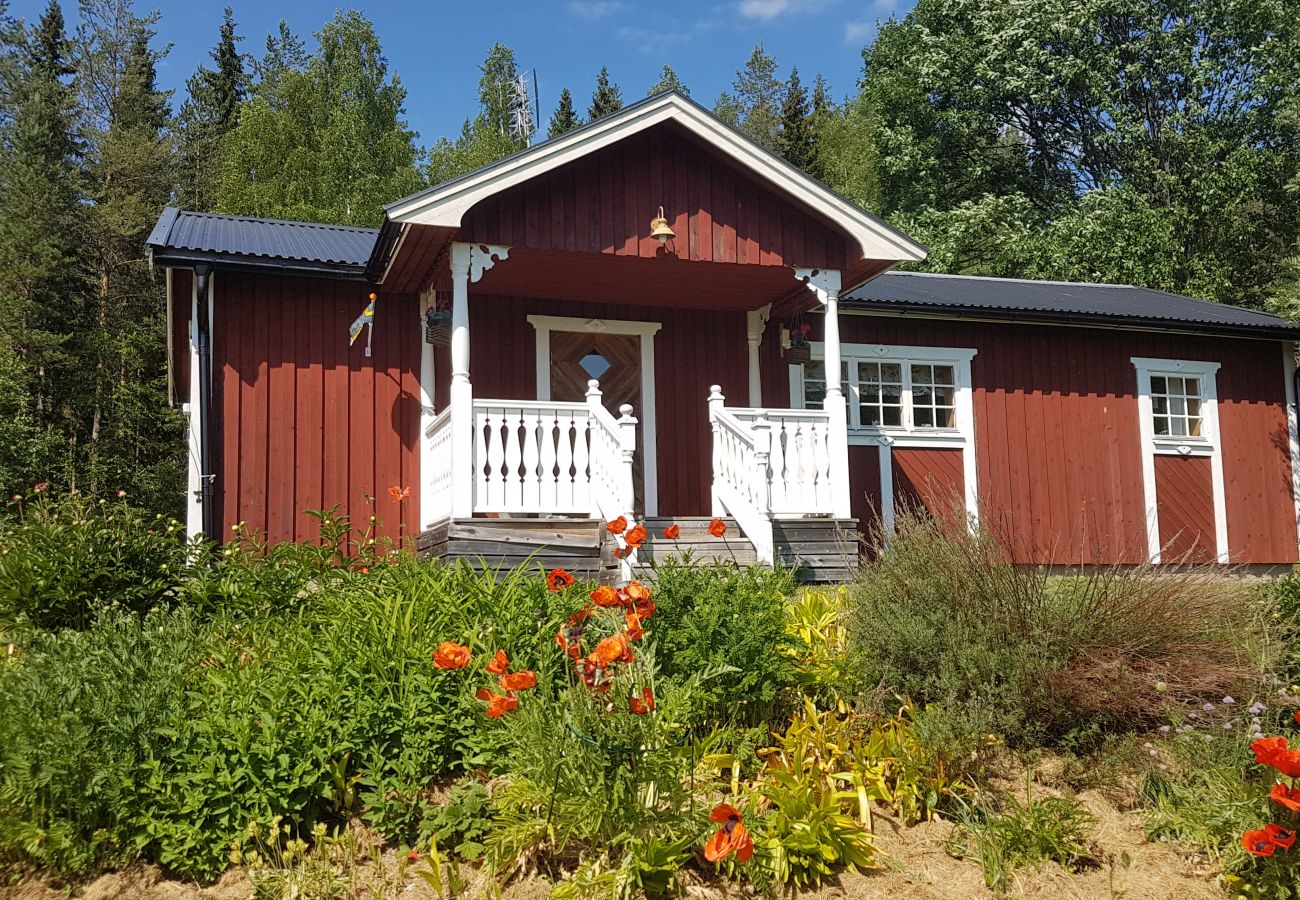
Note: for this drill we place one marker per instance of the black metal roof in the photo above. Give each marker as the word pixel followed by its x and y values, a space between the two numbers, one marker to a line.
pixel 186 238
pixel 1064 302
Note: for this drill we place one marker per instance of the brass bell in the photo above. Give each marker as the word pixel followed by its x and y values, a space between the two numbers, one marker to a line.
pixel 660 230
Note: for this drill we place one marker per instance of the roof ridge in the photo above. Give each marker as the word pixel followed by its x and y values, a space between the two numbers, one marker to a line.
pixel 298 223
pixel 1090 284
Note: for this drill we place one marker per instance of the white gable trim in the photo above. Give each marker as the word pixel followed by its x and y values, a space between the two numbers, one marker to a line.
pixel 446 204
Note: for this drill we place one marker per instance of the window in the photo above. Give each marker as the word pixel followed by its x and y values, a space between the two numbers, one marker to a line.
pixel 890 393
pixel 1175 405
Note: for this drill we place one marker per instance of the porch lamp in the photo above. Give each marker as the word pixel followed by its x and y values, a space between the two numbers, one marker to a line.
pixel 659 229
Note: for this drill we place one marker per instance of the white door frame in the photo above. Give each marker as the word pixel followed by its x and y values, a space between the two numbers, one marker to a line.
pixel 646 331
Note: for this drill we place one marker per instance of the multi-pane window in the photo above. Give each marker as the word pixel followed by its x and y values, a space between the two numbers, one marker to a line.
pixel 1176 405
pixel 890 393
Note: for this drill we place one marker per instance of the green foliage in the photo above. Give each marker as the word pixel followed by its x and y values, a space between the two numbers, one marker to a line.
pixel 985 108
pixel 668 81
pixel 487 137
pixel 463 823
pixel 208 114
pixel 754 103
pixel 796 141
pixel 94 705
pixel 606 99
pixel 804 836
pixel 564 118
pixel 1039 830
pixel 941 618
pixel 323 140
pixel 66 559
pixel 730 620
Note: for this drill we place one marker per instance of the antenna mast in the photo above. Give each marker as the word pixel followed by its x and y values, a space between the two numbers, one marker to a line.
pixel 524 109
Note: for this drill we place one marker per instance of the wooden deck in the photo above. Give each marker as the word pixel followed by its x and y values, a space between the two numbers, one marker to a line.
pixel 820 550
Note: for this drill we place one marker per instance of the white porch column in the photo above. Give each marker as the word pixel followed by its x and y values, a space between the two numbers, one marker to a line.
pixel 756 322
pixel 716 402
pixel 825 283
pixel 468 263
pixel 427 389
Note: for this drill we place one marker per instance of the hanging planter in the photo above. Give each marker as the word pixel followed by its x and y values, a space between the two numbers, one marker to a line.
pixel 797 350
pixel 437 327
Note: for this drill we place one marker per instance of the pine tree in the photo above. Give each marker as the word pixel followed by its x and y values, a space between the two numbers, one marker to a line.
pixel 795 139
pixel 480 142
pixel 125 435
pixel 43 234
pixel 565 119
pixel 496 89
pixel 668 81
pixel 754 103
pixel 607 97
pixel 207 115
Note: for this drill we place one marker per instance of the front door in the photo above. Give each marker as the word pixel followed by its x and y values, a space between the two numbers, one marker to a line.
pixel 615 361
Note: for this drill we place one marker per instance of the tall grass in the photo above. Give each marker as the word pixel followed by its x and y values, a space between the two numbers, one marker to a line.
pixel 941 616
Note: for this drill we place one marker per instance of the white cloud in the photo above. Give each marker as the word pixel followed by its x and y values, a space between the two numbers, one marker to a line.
pixel 861 31
pixel 767 10
pixel 595 9
pixel 651 41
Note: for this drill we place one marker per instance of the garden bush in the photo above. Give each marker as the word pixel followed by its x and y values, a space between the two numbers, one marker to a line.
pixel 65 559
pixel 940 616
pixel 83 717
pixel 732 621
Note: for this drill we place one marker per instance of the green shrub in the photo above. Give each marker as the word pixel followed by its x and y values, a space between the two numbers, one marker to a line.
pixel 83 714
pixel 942 617
pixel 65 559
pixel 732 621
pixel 1020 834
pixel 462 824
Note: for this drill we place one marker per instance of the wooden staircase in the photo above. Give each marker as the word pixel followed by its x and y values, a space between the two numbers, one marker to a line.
pixel 820 550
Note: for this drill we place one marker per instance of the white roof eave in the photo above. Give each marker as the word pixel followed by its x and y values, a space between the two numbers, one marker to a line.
pixel 445 205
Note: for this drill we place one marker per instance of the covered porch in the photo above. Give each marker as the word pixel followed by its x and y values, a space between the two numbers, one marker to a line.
pixel 616 299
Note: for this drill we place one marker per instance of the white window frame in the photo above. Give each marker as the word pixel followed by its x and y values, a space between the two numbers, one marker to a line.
pixel 1208 443
pixel 961 437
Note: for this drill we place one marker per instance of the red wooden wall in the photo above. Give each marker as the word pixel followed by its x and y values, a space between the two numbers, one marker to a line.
pixel 1185 507
pixel 929 478
pixel 603 203
pixel 182 304
pixel 305 421
pixel 1057 443
pixel 693 350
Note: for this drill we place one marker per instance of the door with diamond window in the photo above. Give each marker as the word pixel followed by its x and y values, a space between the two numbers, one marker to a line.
pixel 615 361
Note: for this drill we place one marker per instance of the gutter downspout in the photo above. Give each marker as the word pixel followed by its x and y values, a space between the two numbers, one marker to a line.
pixel 202 273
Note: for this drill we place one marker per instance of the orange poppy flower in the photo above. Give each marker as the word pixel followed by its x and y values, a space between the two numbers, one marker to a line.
pixel 717 528
pixel 636 592
pixel 618 526
pixel 1282 837
pixel 1267 749
pixel 519 681
pixel 498 705
pixel 732 836
pixel 1288 797
pixel 1257 843
pixel 644 609
pixel 673 532
pixel 636 537
pixel 558 580
pixel 500 664
pixel 610 650
pixel 399 493
pixel 622 552
pixel 451 655
pixel 1297 716
pixel 643 704
pixel 604 596
pixel 635 631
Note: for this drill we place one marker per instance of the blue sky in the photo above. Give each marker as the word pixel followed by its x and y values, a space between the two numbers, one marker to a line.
pixel 436 46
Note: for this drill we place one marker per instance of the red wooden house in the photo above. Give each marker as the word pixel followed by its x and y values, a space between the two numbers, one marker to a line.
pixel 636 318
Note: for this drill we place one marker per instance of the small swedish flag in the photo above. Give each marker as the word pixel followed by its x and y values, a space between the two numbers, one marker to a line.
pixel 366 318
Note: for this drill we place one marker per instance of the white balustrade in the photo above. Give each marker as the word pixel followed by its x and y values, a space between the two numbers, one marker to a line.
pixel 800 466
pixel 538 456
pixel 438 482
pixel 740 466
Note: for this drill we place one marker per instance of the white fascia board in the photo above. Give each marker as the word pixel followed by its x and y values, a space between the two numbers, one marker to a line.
pixel 445 205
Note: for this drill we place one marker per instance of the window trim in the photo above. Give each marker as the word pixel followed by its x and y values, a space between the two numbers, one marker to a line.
pixel 1207 444
pixel 961 437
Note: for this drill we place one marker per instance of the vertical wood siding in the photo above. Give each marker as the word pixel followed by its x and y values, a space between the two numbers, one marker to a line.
pixel 1185 506
pixel 929 479
pixel 182 304
pixel 306 422
pixel 1056 427
pixel 864 481
pixel 604 202
pixel 693 350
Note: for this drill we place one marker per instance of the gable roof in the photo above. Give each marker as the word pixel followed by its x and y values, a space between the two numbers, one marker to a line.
pixel 1062 302
pixel 253 243
pixel 445 204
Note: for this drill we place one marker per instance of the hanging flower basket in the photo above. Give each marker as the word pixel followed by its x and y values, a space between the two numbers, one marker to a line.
pixel 797 354
pixel 437 327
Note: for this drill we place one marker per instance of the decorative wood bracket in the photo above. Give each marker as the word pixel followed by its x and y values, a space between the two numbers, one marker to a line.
pixel 483 257
pixel 822 282
pixel 757 319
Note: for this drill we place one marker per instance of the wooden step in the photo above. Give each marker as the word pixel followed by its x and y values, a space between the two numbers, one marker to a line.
pixel 576 544
pixel 704 547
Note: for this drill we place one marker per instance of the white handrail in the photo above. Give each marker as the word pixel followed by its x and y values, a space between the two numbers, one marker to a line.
pixel 613 451
pixel 530 457
pixel 740 474
pixel 800 465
